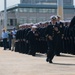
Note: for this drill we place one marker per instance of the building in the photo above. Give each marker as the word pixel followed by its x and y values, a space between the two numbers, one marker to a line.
pixel 33 11
pixel 68 2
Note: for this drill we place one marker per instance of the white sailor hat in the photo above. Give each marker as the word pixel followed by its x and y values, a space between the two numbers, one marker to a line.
pixel 58 16
pixel 53 17
pixel 34 26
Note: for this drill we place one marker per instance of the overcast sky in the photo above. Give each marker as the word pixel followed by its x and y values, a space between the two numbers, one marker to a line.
pixel 10 3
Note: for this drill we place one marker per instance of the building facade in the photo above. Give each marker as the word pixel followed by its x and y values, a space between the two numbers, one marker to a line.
pixel 68 2
pixel 34 11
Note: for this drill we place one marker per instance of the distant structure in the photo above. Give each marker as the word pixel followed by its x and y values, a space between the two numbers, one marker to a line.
pixel 65 2
pixel 33 11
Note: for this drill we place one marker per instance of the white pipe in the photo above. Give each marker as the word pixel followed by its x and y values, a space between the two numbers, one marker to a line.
pixel 60 8
pixel 5 15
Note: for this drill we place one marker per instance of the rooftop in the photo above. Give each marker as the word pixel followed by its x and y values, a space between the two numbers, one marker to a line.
pixel 23 5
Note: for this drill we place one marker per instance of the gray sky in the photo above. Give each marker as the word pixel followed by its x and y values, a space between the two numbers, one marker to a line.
pixel 10 3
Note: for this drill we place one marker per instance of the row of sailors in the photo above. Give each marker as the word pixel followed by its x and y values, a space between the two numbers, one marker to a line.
pixel 51 38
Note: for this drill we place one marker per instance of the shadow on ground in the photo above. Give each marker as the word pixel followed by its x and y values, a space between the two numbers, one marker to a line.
pixel 40 55
pixel 66 64
pixel 62 55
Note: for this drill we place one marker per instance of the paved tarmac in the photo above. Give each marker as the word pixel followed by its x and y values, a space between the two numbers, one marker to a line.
pixel 14 63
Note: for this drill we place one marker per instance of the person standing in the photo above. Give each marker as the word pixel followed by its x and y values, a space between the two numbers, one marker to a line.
pixel 4 37
pixel 10 39
pixel 60 26
pixel 52 35
pixel 14 31
pixel 33 38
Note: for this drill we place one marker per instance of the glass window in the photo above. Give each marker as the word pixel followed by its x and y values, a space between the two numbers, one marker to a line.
pixel 30 10
pixel 34 9
pixel 16 10
pixel 69 11
pixel 37 10
pixel 21 10
pixel 41 19
pixel 23 20
pixel 25 9
pixel 1 22
pixel 52 10
pixel 15 21
pixel 42 10
pixel 32 20
pixel 11 22
pixel 68 2
pixel 47 10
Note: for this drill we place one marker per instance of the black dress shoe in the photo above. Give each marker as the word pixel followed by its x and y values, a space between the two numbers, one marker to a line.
pixel 33 54
pixel 47 60
pixel 57 54
pixel 50 61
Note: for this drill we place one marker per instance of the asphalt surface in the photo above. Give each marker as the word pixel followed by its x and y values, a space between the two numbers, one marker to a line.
pixel 14 63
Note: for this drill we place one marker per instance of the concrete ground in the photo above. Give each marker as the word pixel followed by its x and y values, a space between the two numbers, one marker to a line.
pixel 14 63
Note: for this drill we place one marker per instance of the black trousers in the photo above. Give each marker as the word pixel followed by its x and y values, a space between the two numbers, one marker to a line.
pixel 50 52
pixel 5 43
pixel 33 48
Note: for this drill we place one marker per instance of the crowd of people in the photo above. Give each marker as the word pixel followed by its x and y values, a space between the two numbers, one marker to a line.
pixel 9 38
pixel 52 38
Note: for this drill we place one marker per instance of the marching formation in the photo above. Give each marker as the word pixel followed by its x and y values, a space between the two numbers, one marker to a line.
pixel 51 37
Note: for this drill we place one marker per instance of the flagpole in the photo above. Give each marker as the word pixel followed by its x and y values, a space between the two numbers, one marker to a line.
pixel 5 15
pixel 60 8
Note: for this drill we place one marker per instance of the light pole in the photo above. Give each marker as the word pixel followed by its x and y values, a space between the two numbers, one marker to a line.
pixel 5 15
pixel 60 8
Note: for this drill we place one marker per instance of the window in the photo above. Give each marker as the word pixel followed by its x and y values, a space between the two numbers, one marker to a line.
pixel 37 10
pixel 41 19
pixel 32 20
pixel 69 11
pixel 25 9
pixel 23 20
pixel 52 10
pixel 21 10
pixel 15 21
pixel 1 21
pixel 29 10
pixel 68 2
pixel 13 11
pixel 47 10
pixel 11 22
pixel 43 10
pixel 16 10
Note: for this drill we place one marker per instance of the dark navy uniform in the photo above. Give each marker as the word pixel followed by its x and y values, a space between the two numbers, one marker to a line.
pixel 42 41
pixel 53 38
pixel 72 40
pixel 52 34
pixel 10 37
pixel 66 39
pixel 72 35
pixel 33 37
pixel 60 26
pixel 18 40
